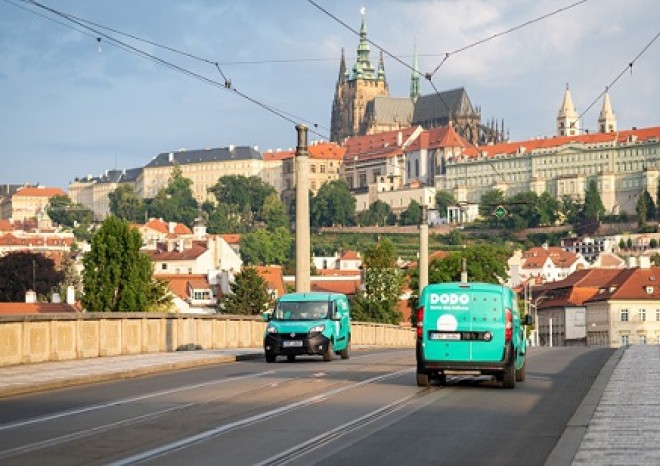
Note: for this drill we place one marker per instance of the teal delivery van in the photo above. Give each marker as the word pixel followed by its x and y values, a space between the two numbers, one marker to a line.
pixel 308 323
pixel 470 329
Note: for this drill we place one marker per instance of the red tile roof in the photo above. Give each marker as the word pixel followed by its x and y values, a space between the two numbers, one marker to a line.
pixel 6 225
pixel 162 254
pixel 635 283
pixel 274 278
pixel 381 145
pixel 534 258
pixel 348 287
pixel 179 284
pixel 231 239
pixel 39 192
pixel 441 137
pixel 350 255
pixel 35 308
pixel 164 227
pixel 318 151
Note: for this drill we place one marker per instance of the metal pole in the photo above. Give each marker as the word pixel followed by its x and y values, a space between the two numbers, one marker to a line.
pixel 303 249
pixel 550 324
pixel 423 250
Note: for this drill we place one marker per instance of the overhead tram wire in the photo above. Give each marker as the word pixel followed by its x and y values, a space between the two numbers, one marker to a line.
pixel 629 66
pixel 500 34
pixel 98 34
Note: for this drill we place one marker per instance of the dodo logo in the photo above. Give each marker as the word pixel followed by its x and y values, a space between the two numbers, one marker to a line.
pixel 450 299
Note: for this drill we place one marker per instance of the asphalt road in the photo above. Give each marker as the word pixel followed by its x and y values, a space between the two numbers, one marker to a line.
pixel 365 410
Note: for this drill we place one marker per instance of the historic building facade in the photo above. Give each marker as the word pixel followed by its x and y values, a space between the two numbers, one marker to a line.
pixel 362 104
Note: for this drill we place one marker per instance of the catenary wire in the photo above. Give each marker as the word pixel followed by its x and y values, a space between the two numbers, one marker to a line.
pixel 141 53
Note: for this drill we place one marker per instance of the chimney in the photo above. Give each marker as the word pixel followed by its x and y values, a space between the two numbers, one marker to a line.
pixel 31 297
pixel 56 299
pixel 70 295
pixel 399 138
pixel 644 262
pixel 632 262
pixel 171 226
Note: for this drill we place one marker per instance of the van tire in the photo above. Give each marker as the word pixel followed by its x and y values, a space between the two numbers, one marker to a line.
pixel 270 357
pixel 509 376
pixel 520 373
pixel 346 352
pixel 291 357
pixel 327 355
pixel 423 380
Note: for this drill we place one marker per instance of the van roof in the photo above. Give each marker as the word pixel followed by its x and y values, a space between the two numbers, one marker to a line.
pixel 475 286
pixel 310 296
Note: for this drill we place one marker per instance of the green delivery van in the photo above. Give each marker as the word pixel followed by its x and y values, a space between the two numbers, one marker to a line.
pixel 470 329
pixel 308 324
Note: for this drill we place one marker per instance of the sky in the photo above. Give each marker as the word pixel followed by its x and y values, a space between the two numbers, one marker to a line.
pixel 69 108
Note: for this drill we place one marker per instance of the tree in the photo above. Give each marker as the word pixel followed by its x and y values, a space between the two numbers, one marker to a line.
pixel 412 215
pixel 126 205
pixel 443 200
pixel 569 210
pixel 225 218
pixel 274 212
pixel 175 203
pixel 264 247
pixel 70 276
pixel 383 281
pixel 247 194
pixel 490 200
pixel 379 213
pixel 645 208
pixel 588 219
pixel 249 294
pixel 523 211
pixel 657 201
pixel 117 276
pixel 333 205
pixel 23 271
pixel 63 211
pixel 548 208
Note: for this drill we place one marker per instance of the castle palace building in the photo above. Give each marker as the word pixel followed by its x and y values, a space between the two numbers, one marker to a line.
pixel 362 104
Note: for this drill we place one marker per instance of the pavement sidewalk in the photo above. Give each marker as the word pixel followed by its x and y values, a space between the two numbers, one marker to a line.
pixel 27 378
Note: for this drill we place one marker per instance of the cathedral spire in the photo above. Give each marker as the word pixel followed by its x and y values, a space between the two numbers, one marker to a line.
pixel 381 67
pixel 342 67
pixel 414 79
pixel 607 119
pixel 568 123
pixel 362 68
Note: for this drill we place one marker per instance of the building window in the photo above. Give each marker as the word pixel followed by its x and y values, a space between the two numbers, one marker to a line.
pixel 313 168
pixel 322 168
pixel 624 340
pixel 163 266
pixel 624 315
pixel 657 315
pixel 642 315
pixel 642 339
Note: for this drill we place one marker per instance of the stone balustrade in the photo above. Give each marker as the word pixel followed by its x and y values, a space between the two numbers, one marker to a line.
pixel 39 338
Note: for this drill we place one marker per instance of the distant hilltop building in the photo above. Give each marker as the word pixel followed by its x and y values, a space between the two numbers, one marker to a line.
pixel 362 104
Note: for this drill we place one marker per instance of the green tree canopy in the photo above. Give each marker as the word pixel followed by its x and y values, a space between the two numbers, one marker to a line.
pixel 379 213
pixel 249 294
pixel 225 218
pixel 333 205
pixel 264 247
pixel 383 281
pixel 63 211
pixel 548 209
pixel 523 211
pixel 117 276
pixel 23 271
pixel 489 201
pixel 274 212
pixel 126 205
pixel 247 194
pixel 412 215
pixel 588 219
pixel 443 200
pixel 645 208
pixel 175 203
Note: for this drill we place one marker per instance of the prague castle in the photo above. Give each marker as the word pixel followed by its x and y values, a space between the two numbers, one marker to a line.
pixel 362 104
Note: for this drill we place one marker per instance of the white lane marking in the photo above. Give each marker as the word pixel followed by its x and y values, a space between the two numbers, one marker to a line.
pixel 87 409
pixel 224 428
pixel 320 440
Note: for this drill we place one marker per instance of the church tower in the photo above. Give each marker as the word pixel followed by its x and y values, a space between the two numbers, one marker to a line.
pixel 414 79
pixel 607 119
pixel 355 89
pixel 568 123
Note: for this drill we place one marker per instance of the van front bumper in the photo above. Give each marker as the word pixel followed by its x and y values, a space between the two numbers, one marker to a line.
pixel 285 344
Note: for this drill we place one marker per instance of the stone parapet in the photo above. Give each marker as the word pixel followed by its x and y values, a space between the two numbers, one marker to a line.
pixel 39 338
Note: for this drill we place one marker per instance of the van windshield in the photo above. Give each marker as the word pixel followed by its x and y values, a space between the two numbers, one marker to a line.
pixel 302 310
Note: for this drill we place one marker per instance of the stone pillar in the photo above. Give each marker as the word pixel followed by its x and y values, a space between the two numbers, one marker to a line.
pixel 303 247
pixel 423 249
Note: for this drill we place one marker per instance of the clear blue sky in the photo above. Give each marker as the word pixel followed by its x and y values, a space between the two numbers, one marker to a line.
pixel 67 110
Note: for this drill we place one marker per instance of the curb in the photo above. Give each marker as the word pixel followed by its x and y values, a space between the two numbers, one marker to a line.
pixel 123 374
pixel 571 439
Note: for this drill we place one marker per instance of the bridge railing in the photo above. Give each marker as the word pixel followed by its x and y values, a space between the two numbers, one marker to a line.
pixel 57 337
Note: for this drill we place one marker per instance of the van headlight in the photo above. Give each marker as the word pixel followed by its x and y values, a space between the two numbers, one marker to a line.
pixel 271 329
pixel 316 329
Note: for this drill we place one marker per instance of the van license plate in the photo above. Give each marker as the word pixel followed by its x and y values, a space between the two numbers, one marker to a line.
pixel 292 343
pixel 445 336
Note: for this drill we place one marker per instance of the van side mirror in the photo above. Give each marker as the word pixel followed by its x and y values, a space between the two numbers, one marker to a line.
pixel 529 320
pixel 267 316
pixel 336 315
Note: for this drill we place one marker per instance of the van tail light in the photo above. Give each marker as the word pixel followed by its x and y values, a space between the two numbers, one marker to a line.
pixel 420 322
pixel 508 328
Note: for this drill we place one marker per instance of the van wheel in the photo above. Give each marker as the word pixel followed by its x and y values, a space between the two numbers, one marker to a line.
pixel 423 380
pixel 441 378
pixel 327 355
pixel 346 352
pixel 520 373
pixel 291 357
pixel 509 376
pixel 270 357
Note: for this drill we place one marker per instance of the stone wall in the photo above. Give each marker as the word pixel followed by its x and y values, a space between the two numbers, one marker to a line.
pixel 40 338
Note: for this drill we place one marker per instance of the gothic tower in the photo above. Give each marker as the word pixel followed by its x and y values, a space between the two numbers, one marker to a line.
pixel 355 89
pixel 414 79
pixel 607 119
pixel 568 123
